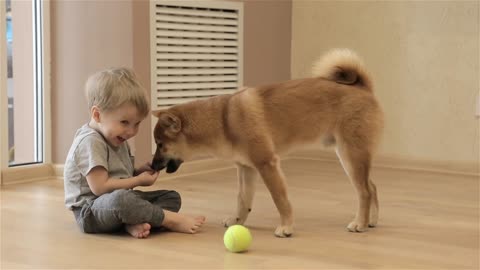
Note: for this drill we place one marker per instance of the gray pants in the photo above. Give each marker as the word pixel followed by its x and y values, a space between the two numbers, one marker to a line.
pixel 111 211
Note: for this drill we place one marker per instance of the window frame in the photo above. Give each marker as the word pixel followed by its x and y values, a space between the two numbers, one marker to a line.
pixel 44 82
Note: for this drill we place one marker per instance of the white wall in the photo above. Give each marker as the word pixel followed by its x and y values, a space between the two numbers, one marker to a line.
pixel 86 36
pixel 425 60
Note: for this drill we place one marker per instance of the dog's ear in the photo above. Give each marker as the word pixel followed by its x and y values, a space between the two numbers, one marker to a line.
pixel 170 123
pixel 157 113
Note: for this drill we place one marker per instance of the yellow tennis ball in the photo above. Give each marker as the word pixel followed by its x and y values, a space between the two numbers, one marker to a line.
pixel 237 238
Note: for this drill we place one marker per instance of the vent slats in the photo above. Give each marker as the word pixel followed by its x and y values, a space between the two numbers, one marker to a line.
pixel 197 20
pixel 215 78
pixel 195 27
pixel 190 34
pixel 197 93
pixel 194 71
pixel 191 56
pixel 197 85
pixel 196 50
pixel 182 64
pixel 193 12
pixel 199 42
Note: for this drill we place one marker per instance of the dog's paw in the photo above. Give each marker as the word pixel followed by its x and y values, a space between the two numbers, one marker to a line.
pixel 372 223
pixel 373 220
pixel 355 226
pixel 229 221
pixel 283 231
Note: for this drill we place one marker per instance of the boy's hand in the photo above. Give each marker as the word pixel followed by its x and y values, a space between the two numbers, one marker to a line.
pixel 147 178
pixel 147 167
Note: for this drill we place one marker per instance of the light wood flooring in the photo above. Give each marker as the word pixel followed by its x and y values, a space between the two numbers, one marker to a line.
pixel 427 221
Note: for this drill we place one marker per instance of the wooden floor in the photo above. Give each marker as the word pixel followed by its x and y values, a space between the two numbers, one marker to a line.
pixel 427 221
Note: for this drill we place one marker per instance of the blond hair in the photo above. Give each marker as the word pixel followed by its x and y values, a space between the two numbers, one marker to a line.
pixel 111 88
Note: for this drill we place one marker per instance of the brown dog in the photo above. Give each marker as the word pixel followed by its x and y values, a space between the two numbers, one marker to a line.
pixel 255 125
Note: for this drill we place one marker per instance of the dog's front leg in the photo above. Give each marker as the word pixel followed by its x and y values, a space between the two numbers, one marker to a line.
pixel 275 181
pixel 246 191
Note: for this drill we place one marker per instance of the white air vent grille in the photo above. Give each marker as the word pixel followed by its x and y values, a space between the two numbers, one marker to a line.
pixel 196 50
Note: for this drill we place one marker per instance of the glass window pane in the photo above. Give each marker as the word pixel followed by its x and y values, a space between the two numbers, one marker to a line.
pixel 24 91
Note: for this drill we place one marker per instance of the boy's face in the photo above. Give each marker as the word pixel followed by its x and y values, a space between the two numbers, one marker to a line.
pixel 118 125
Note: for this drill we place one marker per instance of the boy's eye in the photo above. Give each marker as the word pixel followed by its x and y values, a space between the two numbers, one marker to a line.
pixel 124 122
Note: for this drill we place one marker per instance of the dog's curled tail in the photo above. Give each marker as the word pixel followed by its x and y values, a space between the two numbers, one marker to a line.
pixel 343 66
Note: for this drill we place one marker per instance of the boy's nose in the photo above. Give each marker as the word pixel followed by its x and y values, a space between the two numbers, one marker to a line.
pixel 131 131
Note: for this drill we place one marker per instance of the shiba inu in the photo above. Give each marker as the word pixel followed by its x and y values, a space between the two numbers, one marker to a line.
pixel 255 125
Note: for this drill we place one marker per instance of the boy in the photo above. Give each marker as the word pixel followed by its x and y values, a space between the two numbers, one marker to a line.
pixel 99 169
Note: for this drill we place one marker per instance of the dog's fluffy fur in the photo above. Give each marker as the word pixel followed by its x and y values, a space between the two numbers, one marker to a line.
pixel 256 124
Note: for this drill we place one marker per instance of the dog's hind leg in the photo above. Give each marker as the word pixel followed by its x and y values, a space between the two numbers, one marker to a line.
pixel 246 191
pixel 356 163
pixel 373 204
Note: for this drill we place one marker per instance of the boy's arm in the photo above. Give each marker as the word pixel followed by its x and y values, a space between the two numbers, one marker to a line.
pixel 100 183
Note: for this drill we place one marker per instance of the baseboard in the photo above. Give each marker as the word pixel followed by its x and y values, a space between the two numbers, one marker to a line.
pixel 27 173
pixel 58 170
pixel 398 163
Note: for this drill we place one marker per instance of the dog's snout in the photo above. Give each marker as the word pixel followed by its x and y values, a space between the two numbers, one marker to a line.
pixel 158 164
pixel 173 165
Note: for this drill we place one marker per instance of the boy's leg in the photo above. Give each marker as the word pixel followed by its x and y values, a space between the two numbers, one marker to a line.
pixel 166 199
pixel 111 211
pixel 170 202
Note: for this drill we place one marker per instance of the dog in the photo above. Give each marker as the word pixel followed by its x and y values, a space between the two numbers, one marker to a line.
pixel 255 125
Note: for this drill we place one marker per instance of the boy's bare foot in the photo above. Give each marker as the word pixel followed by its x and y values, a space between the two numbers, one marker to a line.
pixel 141 230
pixel 182 223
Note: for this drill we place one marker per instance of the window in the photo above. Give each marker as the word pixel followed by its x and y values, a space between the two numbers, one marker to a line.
pixel 24 90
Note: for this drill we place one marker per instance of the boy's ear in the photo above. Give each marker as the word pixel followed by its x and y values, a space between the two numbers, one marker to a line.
pixel 170 123
pixel 95 112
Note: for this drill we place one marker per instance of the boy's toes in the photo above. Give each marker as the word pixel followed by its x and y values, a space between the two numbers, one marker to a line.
pixel 145 234
pixel 200 219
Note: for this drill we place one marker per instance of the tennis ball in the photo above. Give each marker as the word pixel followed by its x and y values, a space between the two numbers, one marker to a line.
pixel 237 238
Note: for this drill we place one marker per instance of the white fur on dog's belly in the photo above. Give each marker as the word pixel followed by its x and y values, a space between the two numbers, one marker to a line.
pixel 242 159
pixel 228 153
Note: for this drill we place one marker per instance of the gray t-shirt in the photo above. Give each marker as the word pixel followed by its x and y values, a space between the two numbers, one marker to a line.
pixel 89 150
